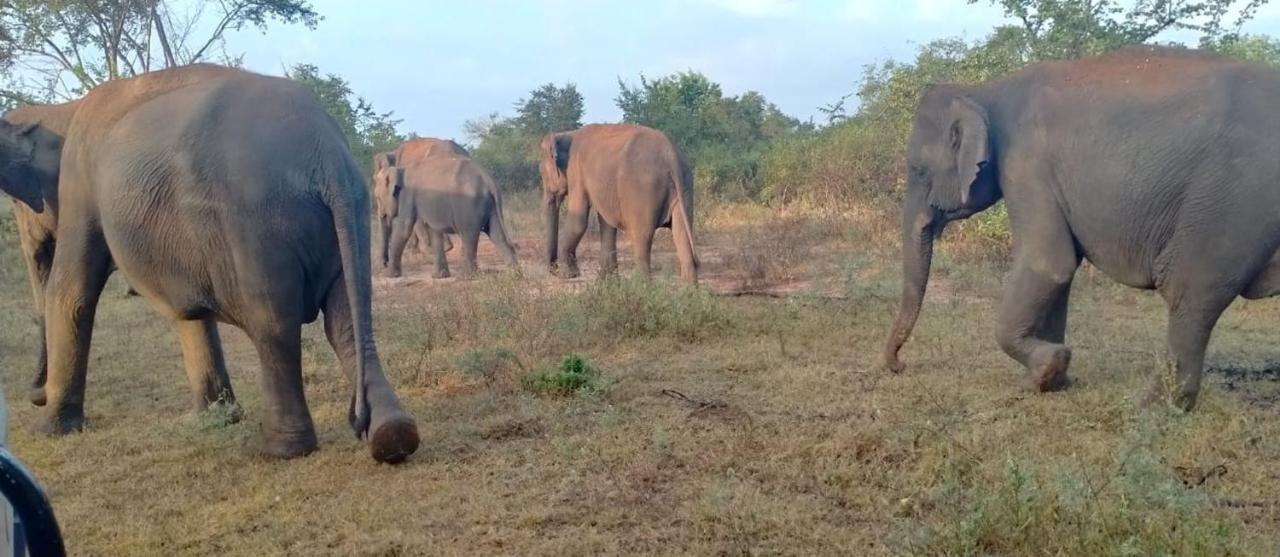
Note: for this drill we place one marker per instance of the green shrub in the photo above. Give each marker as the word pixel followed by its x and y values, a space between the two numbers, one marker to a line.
pixel 575 376
pixel 617 308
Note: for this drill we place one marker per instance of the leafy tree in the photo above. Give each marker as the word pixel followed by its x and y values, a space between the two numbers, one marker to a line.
pixel 367 130
pixel 508 147
pixel 549 109
pixel 62 48
pixel 723 136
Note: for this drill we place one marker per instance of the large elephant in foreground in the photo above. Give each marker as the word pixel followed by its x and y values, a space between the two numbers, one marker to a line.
pixel 635 179
pixel 222 196
pixel 1158 165
pixel 438 195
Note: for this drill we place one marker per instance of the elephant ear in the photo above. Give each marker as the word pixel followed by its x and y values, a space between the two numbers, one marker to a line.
pixel 555 162
pixel 968 143
pixel 18 176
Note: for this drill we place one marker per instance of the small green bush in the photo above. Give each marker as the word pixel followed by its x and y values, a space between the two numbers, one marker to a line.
pixel 575 376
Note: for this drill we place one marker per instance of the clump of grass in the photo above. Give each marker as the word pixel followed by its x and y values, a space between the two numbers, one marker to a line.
pixel 573 377
pixel 1137 508
pixel 488 365
pixel 617 308
pixel 771 254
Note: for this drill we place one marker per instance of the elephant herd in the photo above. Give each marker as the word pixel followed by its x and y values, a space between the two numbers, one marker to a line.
pixel 229 197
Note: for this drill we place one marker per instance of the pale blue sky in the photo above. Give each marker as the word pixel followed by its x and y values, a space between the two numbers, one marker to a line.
pixel 438 64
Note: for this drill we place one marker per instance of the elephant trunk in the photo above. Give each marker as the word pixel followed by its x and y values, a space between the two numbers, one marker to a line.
pixel 551 216
pixel 919 226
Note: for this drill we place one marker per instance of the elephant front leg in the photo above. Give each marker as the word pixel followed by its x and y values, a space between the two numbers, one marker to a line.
pixel 80 270
pixel 576 227
pixel 400 231
pixel 608 248
pixel 1033 317
pixel 206 368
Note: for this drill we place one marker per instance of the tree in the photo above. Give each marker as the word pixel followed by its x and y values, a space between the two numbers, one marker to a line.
pixel 550 109
pixel 367 130
pixel 722 136
pixel 1058 29
pixel 58 49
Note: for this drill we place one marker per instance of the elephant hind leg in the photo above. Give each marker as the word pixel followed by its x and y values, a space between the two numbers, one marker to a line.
pixel 642 246
pixel 498 234
pixel 608 248
pixel 206 368
pixel 470 245
pixel 438 240
pixel 286 426
pixel 393 433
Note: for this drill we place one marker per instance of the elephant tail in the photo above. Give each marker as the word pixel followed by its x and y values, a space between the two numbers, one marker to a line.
pixel 350 221
pixel 682 215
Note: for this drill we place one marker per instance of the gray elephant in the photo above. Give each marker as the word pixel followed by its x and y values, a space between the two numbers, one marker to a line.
pixel 1157 165
pixel 222 196
pixel 636 180
pixel 420 239
pixel 440 194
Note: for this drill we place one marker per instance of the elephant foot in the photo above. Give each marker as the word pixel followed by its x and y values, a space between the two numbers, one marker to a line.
pixel 442 274
pixel 394 439
pixel 567 272
pixel 294 445
pixel 393 273
pixel 1048 370
pixel 55 423
pixel 37 396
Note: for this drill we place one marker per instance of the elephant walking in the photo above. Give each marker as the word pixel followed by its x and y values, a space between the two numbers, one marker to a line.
pixel 222 196
pixel 636 180
pixel 421 237
pixel 1158 165
pixel 439 195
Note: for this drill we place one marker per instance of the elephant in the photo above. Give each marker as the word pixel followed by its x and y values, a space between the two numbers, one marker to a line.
pixel 636 180
pixel 442 194
pixel 222 196
pixel 1155 164
pixel 421 237
pixel 422 147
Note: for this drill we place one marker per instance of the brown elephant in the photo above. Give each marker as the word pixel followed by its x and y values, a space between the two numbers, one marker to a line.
pixel 440 194
pixel 223 196
pixel 636 180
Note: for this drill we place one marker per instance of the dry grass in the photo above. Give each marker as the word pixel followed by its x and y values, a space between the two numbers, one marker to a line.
pixel 716 424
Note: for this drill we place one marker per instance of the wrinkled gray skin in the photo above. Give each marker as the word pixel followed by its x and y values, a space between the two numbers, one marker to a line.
pixel 438 195
pixel 1157 165
pixel 222 196
pixel 636 180
pixel 36 231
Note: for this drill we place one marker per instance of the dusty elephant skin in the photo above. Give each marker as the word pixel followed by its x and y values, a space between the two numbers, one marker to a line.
pixel 409 151
pixel 37 230
pixel 221 196
pixel 437 192
pixel 635 179
pixel 1156 164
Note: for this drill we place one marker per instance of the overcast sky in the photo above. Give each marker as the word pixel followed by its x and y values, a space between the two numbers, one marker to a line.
pixel 438 64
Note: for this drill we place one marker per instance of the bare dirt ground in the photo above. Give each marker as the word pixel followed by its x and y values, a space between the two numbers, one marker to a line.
pixel 718 423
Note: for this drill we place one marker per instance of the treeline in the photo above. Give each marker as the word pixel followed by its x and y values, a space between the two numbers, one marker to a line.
pixel 744 148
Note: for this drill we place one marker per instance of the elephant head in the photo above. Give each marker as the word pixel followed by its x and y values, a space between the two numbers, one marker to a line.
pixel 387 184
pixel 383 160
pixel 951 175
pixel 555 185
pixel 29 161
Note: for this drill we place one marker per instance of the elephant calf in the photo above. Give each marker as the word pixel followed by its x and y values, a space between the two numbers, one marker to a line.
pixel 222 196
pixel 635 179
pixel 1158 165
pixel 439 195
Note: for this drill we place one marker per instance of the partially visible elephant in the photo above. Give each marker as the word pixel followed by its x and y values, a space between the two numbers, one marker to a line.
pixel 443 194
pixel 1158 165
pixel 420 148
pixel 37 231
pixel 636 180
pixel 221 195
pixel 421 237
